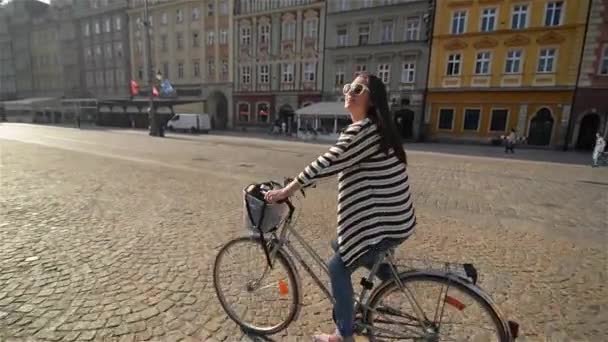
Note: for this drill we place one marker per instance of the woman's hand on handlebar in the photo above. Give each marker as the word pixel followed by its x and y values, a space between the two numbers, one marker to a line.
pixel 274 196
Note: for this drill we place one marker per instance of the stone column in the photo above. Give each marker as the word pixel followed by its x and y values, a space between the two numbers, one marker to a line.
pixel 522 118
pixel 563 125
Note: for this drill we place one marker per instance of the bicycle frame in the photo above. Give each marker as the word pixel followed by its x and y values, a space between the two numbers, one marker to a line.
pixel 282 241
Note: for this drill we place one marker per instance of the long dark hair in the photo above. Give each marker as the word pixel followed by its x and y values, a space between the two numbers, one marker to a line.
pixel 380 114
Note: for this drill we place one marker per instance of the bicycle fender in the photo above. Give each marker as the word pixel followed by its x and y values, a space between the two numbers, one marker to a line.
pixel 510 327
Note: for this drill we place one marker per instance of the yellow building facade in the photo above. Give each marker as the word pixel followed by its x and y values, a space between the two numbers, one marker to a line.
pixel 498 65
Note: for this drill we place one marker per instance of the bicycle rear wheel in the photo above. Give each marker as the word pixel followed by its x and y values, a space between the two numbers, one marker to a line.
pixel 453 311
pixel 260 299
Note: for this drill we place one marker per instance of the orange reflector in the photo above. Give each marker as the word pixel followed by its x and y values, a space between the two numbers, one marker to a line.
pixel 283 288
pixel 454 302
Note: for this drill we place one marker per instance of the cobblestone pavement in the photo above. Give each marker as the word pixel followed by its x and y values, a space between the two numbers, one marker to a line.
pixel 112 236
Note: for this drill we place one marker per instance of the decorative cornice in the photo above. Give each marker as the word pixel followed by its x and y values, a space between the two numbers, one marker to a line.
pixel 485 43
pixel 517 40
pixel 455 44
pixel 550 38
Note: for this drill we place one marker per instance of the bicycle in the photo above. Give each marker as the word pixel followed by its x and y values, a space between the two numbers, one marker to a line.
pixel 376 316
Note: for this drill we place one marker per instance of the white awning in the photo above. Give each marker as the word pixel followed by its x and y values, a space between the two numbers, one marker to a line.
pixel 324 109
pixel 132 109
pixel 31 103
pixel 117 109
pixel 104 109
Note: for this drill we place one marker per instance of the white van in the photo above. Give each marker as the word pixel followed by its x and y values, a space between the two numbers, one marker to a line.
pixel 190 123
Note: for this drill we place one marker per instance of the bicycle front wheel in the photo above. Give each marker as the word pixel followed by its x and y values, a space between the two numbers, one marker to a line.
pixel 257 297
pixel 451 311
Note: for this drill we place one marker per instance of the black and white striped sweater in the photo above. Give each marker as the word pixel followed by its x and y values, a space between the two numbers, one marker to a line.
pixel 374 200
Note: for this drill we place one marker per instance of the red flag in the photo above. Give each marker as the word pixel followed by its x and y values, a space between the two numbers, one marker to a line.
pixel 155 91
pixel 134 88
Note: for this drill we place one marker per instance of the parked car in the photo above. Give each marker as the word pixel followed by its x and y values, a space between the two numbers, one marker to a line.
pixel 189 122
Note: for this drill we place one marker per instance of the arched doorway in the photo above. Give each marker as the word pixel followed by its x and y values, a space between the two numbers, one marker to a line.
pixel 286 114
pixel 541 128
pixel 590 124
pixel 404 119
pixel 217 105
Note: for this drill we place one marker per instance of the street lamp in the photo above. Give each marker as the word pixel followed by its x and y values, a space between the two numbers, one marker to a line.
pixel 154 127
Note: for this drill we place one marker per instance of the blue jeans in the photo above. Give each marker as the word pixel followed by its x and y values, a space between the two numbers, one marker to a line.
pixel 342 287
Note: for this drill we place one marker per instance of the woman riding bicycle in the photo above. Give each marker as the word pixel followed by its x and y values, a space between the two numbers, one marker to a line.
pixel 375 211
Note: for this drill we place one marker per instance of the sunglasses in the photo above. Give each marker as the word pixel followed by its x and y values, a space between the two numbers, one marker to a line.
pixel 354 89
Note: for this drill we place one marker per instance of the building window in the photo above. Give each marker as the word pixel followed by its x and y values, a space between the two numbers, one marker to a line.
pixel 386 35
pixel 546 60
pixel 224 8
pixel 344 5
pixel 223 37
pixel 110 78
pixel 120 77
pixel 459 22
pixel 98 50
pixel 367 3
pixel 488 20
pixel 553 13
pixel 195 40
pixel 310 28
pixel 97 28
pixel 408 73
pixel 88 54
pixel 363 35
pixel 163 42
pixel 90 79
pixel 471 119
pixel 179 15
pixel 163 18
pixel 289 30
pixel 245 74
pixel 287 73
pixel 196 13
pixel 360 68
pixel 453 65
pixel 165 69
pixel 210 37
pixel 339 79
pixel 384 72
pixel 196 68
pixel 179 38
pixel 210 9
pixel 413 29
pixel 224 68
pixel 264 33
pixel 446 118
pixel 482 63
pixel 107 25
pixel 310 72
pixel 498 122
pixel 140 73
pixel 118 23
pixel 603 69
pixel 108 50
pixel 180 70
pixel 118 49
pixel 513 62
pixel 263 113
pixel 519 17
pixel 244 111
pixel 264 74
pixel 245 35
pixel 87 30
pixel 342 37
pixel 211 69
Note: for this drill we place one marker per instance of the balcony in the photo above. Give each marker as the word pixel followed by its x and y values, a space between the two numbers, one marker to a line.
pixel 243 7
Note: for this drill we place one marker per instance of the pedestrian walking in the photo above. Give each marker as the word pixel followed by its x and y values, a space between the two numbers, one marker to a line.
pixel 284 128
pixel 600 145
pixel 510 142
